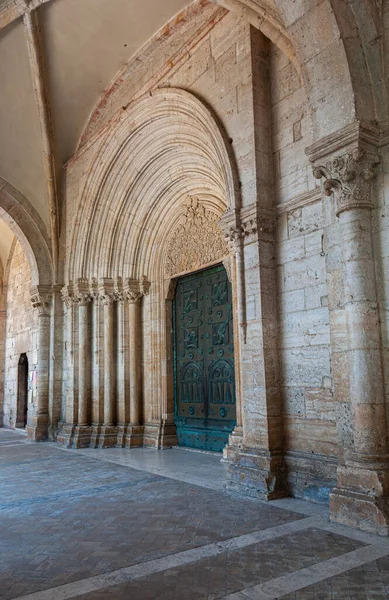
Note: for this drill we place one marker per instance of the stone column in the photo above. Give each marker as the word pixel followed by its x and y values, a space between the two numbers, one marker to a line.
pixel 37 430
pixel 258 468
pixel 108 434
pixel 82 433
pixel 134 292
pixel 69 404
pixel 97 384
pixel 361 496
pixel 122 368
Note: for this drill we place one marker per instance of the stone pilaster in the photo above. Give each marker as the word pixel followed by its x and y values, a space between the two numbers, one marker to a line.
pixel 362 493
pixel 234 265
pixel 38 428
pixel 258 467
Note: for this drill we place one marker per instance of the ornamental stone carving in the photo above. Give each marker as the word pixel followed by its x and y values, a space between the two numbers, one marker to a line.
pixel 349 177
pixel 40 299
pixel 196 242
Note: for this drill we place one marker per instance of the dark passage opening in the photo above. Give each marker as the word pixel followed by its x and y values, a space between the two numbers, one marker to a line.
pixel 22 406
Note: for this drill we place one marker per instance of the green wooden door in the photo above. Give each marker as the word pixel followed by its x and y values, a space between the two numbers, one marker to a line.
pixel 205 406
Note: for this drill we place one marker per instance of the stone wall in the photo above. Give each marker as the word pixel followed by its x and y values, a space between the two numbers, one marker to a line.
pixel 21 331
pixel 303 317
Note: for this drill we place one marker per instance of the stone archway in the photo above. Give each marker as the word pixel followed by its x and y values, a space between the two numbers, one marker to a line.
pixel 167 148
pixel 195 246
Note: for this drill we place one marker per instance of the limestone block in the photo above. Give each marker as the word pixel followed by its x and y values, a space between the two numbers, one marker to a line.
pixel 294 400
pixel 226 33
pixel 305 328
pixel 292 301
pixel 292 11
pixel 304 273
pixel 197 64
pixel 315 39
pixel 292 158
pixel 364 364
pixel 344 423
pixel 245 95
pixel 305 366
pixel 314 243
pixel 290 250
pixel 311 435
pixel 225 62
pixel 339 336
pixel 338 109
pixel 316 296
pixel 320 404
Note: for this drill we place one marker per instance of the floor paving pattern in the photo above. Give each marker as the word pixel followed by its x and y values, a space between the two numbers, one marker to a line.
pixel 144 524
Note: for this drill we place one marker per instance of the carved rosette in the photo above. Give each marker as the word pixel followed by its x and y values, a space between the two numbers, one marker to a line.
pixel 40 299
pixel 349 177
pixel 196 242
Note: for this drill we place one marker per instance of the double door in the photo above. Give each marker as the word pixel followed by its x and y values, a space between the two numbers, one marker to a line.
pixel 205 404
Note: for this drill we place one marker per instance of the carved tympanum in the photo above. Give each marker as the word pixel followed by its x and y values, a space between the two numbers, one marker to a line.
pixel 197 241
pixel 349 177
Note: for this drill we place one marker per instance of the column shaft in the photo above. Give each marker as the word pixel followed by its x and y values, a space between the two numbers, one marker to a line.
pixel 108 365
pixel 135 362
pixel 83 364
pixel 366 377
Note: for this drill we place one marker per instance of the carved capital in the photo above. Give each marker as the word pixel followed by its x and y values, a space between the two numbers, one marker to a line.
pixel 81 292
pixel 132 291
pixel 106 291
pixel 144 285
pixel 348 176
pixel 40 299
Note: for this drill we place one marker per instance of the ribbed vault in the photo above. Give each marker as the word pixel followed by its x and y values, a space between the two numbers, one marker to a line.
pixel 166 147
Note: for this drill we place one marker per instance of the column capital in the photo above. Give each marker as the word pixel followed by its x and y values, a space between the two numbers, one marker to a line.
pixel 82 292
pixel 348 176
pixel 106 291
pixel 249 225
pixel 78 293
pixel 134 289
pixel 40 299
pixel 346 160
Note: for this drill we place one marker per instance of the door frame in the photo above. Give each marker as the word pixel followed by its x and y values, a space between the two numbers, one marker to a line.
pixel 168 357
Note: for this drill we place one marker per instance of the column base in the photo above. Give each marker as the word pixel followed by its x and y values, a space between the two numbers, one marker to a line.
pixel 95 436
pixel 361 499
pixel 108 436
pixel 121 436
pixel 134 436
pixel 38 429
pixel 258 473
pixel 235 444
pixel 81 436
pixel 160 435
pixel 65 434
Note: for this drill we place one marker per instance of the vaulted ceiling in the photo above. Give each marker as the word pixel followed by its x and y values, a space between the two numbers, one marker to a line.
pixel 85 43
pixel 80 45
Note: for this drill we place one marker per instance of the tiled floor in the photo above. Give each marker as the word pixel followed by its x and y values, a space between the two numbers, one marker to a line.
pixel 144 524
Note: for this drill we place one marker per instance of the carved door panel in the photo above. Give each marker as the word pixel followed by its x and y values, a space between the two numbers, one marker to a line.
pixel 205 408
